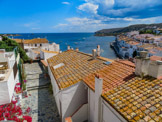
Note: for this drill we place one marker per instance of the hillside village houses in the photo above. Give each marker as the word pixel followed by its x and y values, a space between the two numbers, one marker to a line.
pixel 9 74
pixel 158 31
pixel 38 48
pixel 89 87
pixel 128 45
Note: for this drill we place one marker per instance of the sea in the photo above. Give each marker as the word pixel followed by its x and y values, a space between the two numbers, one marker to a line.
pixel 86 42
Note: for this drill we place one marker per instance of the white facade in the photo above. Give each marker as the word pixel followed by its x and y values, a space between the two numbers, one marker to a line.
pixel 54 47
pixel 46 55
pixel 33 55
pixel 70 99
pixel 7 84
pixel 39 47
pixel 78 102
pixel 108 114
pixel 44 46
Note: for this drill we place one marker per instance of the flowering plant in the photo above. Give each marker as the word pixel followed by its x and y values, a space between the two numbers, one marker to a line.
pixel 18 90
pixel 13 112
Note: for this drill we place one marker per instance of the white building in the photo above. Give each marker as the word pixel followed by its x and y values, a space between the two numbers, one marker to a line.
pixel 127 46
pixel 9 75
pixel 45 54
pixel 114 94
pixel 132 33
pixel 33 47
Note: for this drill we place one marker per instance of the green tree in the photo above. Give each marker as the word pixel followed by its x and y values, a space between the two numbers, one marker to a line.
pixel 9 45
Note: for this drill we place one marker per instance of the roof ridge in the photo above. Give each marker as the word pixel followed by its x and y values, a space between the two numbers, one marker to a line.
pixel 98 57
pixel 125 63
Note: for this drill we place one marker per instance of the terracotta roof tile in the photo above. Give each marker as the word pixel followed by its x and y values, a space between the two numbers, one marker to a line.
pixel 115 74
pixel 44 63
pixel 46 51
pixel 155 58
pixel 77 65
pixel 35 41
pixel 37 52
pixel 18 40
pixel 137 99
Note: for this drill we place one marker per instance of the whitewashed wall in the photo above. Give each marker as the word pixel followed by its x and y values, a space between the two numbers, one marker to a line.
pixel 72 98
pixel 11 61
pixel 55 90
pixel 91 105
pixel 41 54
pixel 81 115
pixel 48 55
pixel 44 45
pixel 11 83
pixel 4 94
pixel 109 114
pixel 7 88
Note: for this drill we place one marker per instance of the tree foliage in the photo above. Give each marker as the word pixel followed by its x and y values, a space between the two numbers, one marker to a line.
pixel 148 31
pixel 9 45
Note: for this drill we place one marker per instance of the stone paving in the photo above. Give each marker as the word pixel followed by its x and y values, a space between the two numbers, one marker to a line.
pixel 41 100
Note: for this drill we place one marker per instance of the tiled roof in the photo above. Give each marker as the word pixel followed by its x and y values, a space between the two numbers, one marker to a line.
pixel 125 38
pixel 138 99
pixel 37 52
pixel 128 62
pixel 44 63
pixel 18 40
pixel 46 51
pixel 74 66
pixel 113 75
pixel 35 41
pixel 155 58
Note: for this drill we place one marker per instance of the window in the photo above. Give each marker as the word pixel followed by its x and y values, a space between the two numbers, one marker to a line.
pixel 35 45
pixel 41 45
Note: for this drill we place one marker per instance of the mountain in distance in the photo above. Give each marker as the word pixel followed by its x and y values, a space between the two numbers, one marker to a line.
pixel 137 27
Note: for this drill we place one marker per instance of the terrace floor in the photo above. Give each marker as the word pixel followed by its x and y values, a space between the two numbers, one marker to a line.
pixel 42 103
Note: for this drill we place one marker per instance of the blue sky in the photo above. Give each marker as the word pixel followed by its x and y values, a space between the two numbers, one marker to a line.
pixel 23 16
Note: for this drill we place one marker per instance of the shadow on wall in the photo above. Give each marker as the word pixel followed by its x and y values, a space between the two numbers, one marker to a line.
pixel 79 98
pixel 47 109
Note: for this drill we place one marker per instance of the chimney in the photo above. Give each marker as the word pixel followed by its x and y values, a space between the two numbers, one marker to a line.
pixel 98 50
pixel 145 66
pixel 142 64
pixel 98 92
pixel 68 47
pixel 155 69
pixel 77 49
pixel 94 53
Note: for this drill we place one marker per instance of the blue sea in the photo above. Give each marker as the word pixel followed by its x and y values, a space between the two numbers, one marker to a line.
pixel 84 41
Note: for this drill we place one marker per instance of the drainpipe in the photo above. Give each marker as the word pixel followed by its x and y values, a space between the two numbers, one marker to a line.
pixel 98 92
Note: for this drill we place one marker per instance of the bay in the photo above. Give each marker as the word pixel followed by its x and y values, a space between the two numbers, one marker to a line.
pixel 84 41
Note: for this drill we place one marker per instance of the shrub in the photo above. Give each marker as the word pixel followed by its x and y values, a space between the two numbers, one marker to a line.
pixel 9 45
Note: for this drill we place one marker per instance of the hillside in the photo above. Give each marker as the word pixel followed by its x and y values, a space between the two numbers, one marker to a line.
pixel 116 31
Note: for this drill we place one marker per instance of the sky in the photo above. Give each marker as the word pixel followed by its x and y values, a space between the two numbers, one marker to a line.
pixel 52 16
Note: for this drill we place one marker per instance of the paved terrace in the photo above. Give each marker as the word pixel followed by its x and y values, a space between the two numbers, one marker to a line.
pixel 41 100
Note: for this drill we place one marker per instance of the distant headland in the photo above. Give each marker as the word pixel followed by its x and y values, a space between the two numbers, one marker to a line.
pixel 117 31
